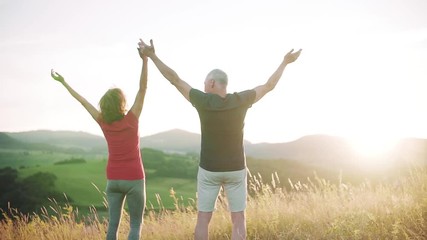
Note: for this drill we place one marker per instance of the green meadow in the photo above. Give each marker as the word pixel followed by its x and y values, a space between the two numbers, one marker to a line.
pixel 84 184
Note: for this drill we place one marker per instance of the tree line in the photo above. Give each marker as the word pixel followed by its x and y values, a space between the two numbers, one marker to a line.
pixel 29 194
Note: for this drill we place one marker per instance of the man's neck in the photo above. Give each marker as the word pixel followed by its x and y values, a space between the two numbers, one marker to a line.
pixel 222 94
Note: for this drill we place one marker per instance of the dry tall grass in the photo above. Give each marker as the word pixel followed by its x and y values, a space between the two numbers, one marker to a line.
pixel 315 209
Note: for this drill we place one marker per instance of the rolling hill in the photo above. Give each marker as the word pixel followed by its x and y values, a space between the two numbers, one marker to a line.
pixel 174 140
pixel 7 141
pixel 312 149
pixel 63 139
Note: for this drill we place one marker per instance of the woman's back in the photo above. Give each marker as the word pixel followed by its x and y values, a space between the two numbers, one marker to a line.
pixel 124 156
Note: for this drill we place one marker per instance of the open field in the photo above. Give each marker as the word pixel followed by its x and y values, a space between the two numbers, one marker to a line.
pixel 81 182
pixel 315 209
pixel 297 204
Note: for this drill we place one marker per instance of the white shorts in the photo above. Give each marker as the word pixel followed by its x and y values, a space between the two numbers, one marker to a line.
pixel 209 184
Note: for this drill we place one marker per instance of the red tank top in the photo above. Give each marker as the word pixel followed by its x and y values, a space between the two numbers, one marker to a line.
pixel 124 156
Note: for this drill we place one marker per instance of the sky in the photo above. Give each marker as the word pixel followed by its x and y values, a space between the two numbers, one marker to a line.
pixel 362 72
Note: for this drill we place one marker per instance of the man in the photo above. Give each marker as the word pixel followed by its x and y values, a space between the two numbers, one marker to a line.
pixel 222 158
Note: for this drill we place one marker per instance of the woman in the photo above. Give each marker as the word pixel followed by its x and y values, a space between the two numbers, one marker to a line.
pixel 125 171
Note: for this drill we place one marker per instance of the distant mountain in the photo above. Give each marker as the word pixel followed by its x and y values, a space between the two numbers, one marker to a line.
pixel 308 148
pixel 64 139
pixel 171 141
pixel 313 149
pixel 335 151
pixel 174 140
pixel 8 142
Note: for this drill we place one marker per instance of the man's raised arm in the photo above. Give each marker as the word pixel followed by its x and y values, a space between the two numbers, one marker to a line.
pixel 182 86
pixel 261 90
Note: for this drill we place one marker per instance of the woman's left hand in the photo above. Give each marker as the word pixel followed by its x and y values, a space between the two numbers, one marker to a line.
pixel 56 76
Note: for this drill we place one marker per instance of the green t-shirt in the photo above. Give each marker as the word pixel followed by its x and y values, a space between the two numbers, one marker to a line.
pixel 222 124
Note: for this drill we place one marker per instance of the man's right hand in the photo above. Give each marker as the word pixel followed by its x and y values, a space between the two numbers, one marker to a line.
pixel 147 50
pixel 292 56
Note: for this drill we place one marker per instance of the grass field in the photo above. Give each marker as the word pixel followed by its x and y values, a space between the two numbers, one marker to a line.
pixel 315 209
pixel 297 208
pixel 81 183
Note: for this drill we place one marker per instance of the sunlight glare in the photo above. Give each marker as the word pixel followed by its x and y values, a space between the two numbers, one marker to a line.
pixel 373 145
pixel 373 151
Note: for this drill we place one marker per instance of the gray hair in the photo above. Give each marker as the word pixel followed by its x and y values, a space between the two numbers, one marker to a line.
pixel 218 75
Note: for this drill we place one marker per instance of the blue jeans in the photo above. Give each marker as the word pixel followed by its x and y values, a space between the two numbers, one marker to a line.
pixel 134 192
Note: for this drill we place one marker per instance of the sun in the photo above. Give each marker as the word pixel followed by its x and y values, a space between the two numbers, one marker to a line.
pixel 373 146
pixel 373 151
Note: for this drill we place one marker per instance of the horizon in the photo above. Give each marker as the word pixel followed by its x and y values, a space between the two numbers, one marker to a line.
pixel 193 132
pixel 369 156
